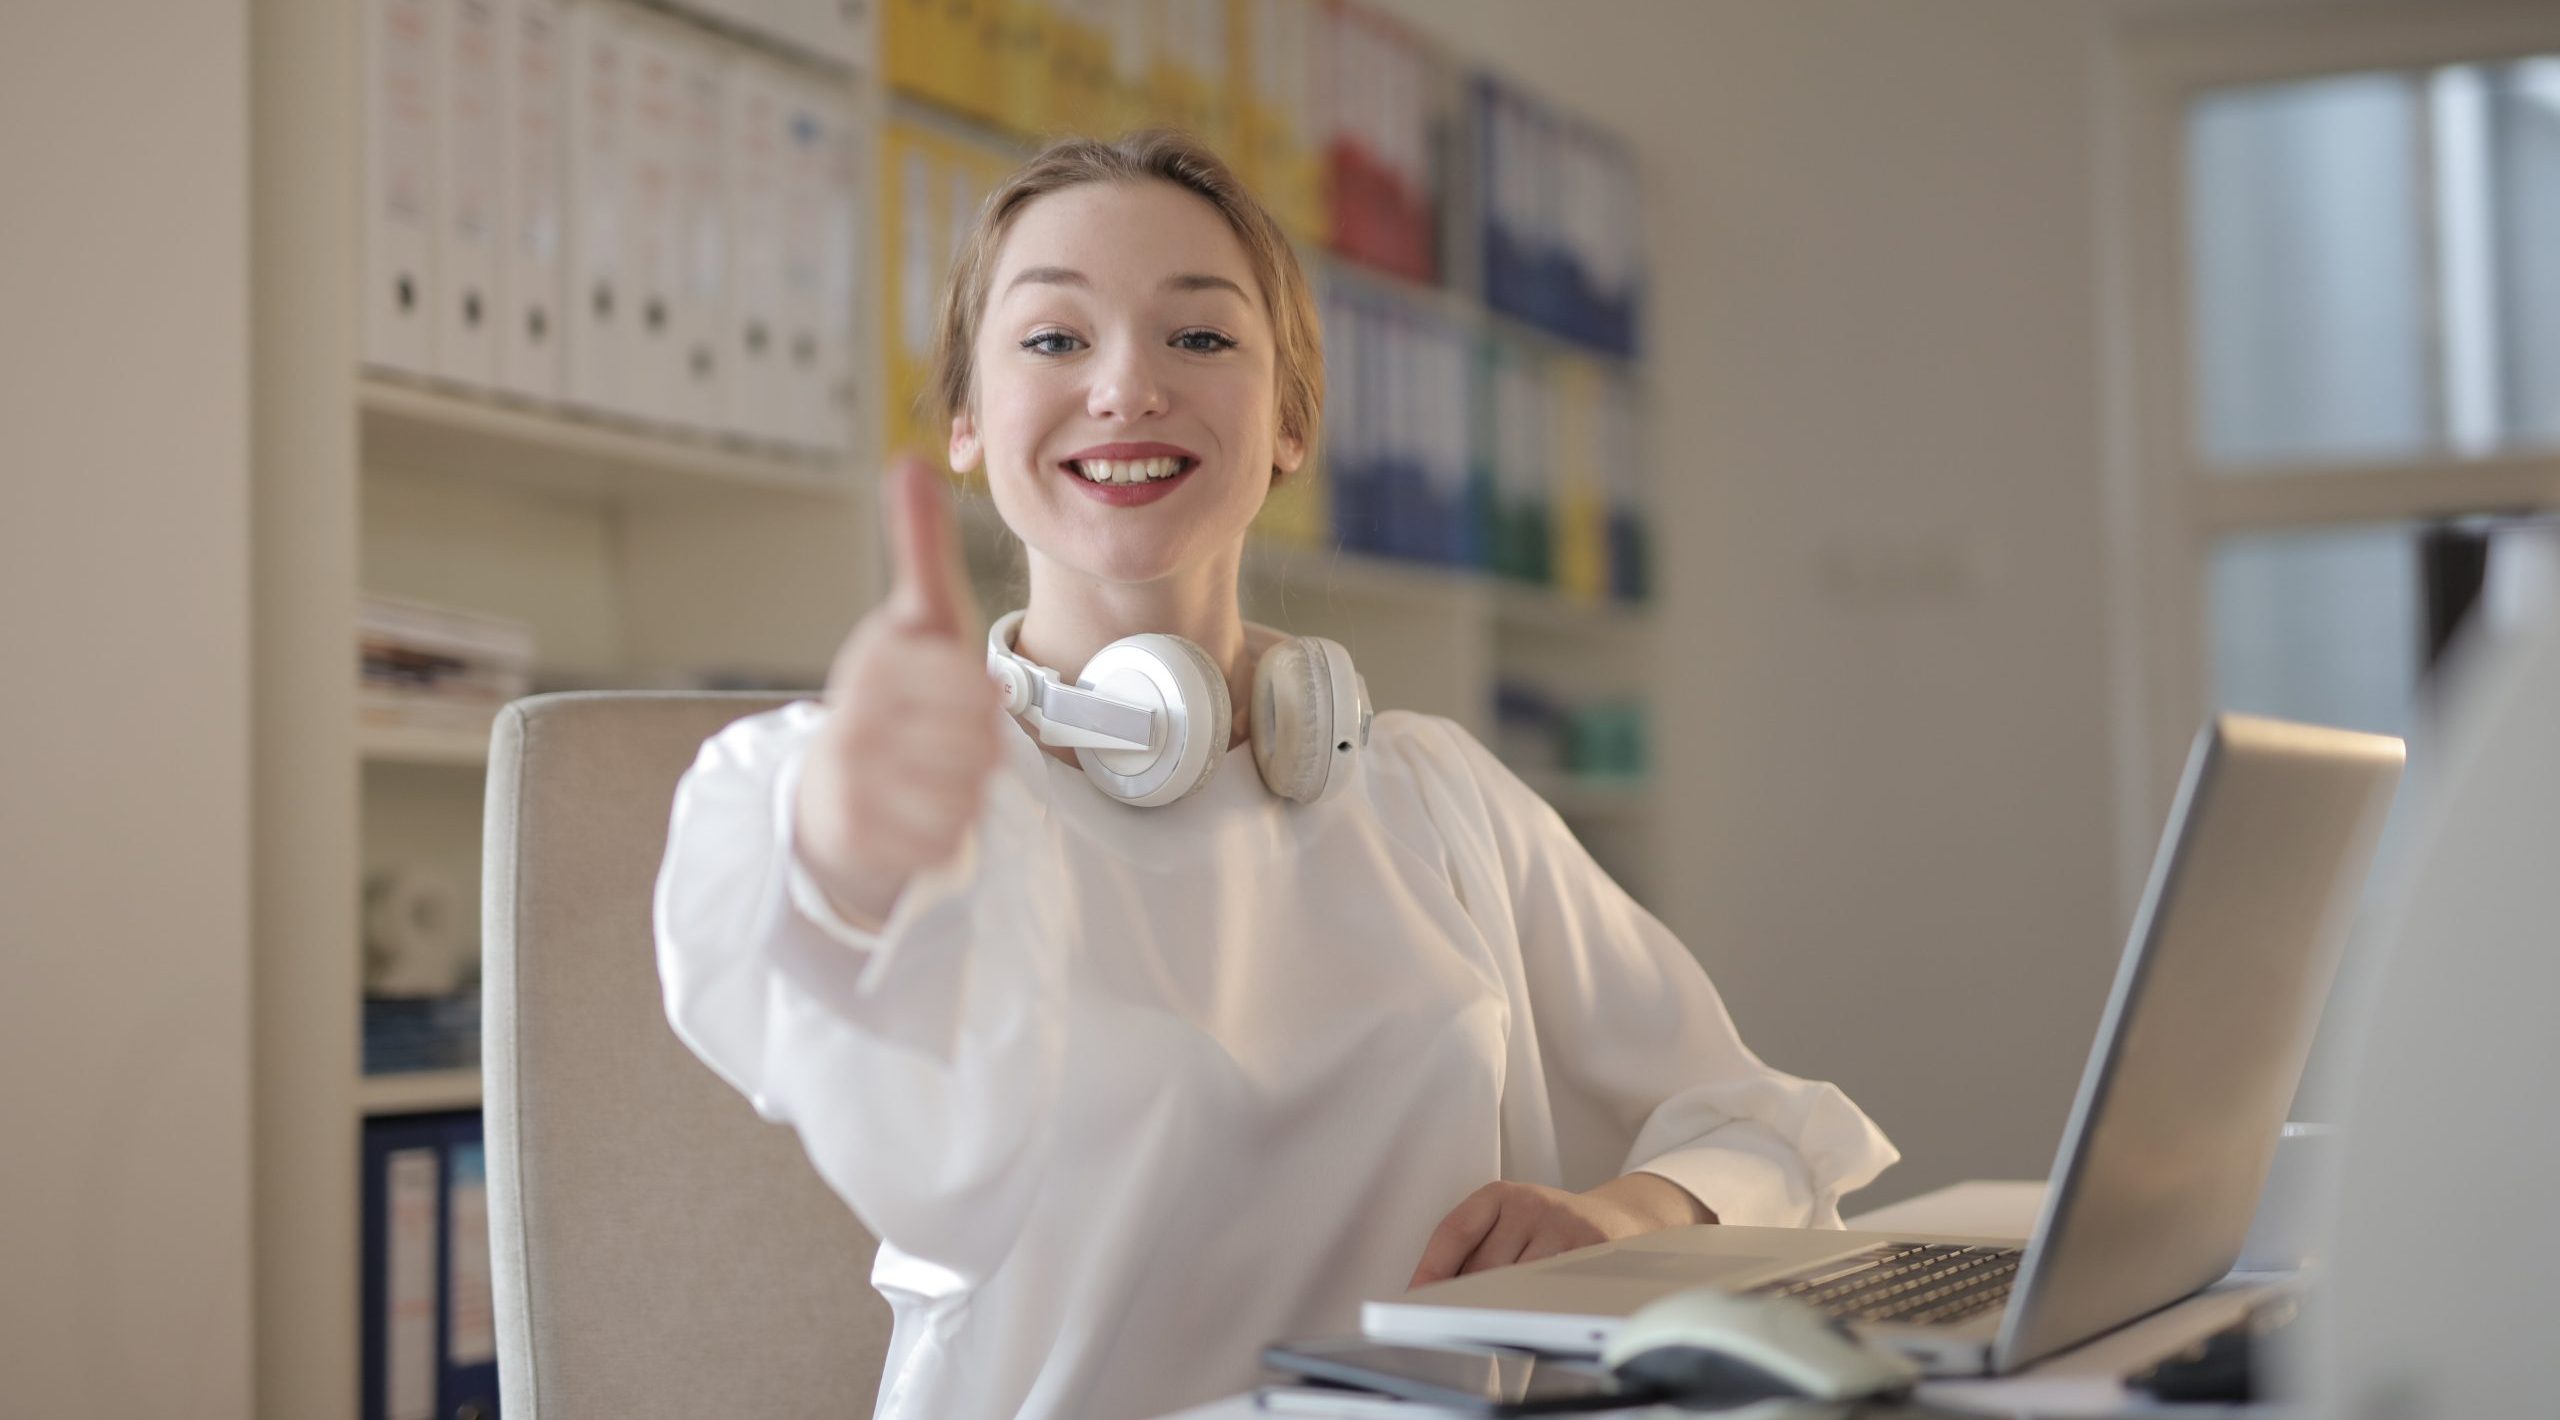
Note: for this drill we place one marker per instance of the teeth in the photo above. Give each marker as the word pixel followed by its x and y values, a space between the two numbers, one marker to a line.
pixel 1126 470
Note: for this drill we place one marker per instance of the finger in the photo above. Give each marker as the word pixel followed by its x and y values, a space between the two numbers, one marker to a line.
pixel 1542 1248
pixel 929 586
pixel 1456 1236
pixel 1504 1241
pixel 1546 1243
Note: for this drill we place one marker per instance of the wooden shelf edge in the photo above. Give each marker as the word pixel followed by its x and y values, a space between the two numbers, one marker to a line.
pixel 427 429
pixel 1293 568
pixel 418 1092
pixel 1521 605
pixel 455 748
pixel 1467 308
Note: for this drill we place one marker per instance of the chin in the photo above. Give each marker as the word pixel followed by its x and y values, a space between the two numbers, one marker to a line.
pixel 1136 563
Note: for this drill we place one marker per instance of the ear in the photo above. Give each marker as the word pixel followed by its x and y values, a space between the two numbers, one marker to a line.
pixel 965 448
pixel 1288 452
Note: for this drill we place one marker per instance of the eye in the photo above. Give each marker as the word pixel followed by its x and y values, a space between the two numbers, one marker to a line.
pixel 1052 342
pixel 1203 342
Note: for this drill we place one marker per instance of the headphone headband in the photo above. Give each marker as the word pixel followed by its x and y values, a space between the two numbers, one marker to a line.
pixel 1149 715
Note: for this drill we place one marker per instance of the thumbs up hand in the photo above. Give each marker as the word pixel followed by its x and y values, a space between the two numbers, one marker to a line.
pixel 899 767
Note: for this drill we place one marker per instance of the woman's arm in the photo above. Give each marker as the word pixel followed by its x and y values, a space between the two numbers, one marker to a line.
pixel 914 1060
pixel 1637 1051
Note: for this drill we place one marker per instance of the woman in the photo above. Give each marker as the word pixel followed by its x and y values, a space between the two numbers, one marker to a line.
pixel 1128 1092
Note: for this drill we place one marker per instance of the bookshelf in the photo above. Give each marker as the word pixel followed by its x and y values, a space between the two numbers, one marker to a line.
pixel 417 426
pixel 448 749
pixel 643 556
pixel 419 1092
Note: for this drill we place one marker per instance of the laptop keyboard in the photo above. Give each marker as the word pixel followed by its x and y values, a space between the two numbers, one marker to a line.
pixel 1917 1284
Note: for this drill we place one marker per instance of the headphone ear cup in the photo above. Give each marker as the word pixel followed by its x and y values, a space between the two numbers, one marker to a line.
pixel 1216 723
pixel 1301 740
pixel 1198 717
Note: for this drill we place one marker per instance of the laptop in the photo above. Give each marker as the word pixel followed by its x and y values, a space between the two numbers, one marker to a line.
pixel 2169 1139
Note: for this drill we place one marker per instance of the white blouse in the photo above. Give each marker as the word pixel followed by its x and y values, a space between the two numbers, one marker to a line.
pixel 1128 1093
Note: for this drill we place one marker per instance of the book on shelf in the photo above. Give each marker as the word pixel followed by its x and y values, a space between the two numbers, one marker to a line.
pixel 429 628
pixel 404 1035
pixel 427 667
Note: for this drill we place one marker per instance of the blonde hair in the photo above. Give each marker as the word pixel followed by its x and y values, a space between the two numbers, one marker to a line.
pixel 1167 156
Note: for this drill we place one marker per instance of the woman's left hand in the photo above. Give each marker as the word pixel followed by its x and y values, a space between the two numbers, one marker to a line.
pixel 1503 1223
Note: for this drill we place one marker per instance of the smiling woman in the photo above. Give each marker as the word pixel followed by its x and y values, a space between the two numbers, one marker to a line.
pixel 1137 1055
pixel 1127 329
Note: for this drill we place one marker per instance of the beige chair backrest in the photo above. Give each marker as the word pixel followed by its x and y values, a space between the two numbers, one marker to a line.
pixel 660 1252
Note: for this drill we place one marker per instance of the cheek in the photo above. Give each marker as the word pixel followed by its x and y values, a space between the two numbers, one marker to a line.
pixel 1015 411
pixel 1243 407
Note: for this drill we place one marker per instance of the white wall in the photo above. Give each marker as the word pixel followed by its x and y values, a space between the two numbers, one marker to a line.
pixel 1877 438
pixel 124 1041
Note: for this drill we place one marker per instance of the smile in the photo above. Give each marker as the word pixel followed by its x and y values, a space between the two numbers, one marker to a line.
pixel 1127 473
pixel 1124 471
pixel 1127 483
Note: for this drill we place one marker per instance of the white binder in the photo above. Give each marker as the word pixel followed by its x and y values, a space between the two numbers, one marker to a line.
pixel 653 248
pixel 702 295
pixel 756 390
pixel 830 395
pixel 533 96
pixel 819 163
pixel 598 307
pixel 399 185
pixel 468 190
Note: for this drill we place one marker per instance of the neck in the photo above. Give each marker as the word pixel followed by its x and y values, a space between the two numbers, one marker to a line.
pixel 1073 615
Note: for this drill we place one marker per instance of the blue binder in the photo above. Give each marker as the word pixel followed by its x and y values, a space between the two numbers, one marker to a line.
pixel 429 1351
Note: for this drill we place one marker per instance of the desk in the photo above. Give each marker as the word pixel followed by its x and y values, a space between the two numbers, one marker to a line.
pixel 2080 1382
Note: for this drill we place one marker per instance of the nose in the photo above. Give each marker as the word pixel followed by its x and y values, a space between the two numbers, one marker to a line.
pixel 1125 384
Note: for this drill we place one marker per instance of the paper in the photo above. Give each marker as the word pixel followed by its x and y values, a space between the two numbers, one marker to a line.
pixel 409 1353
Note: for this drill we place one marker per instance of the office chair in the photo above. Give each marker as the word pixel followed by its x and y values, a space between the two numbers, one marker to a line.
pixel 659 1252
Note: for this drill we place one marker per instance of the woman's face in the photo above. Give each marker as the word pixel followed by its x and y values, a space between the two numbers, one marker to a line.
pixel 1124 336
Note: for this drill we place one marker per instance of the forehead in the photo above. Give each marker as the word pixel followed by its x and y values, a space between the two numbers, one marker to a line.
pixel 1123 237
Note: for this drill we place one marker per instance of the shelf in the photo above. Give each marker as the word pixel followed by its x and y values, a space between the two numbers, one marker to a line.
pixel 1334 573
pixel 1591 796
pixel 1333 266
pixel 458 748
pixel 419 1092
pixel 1464 308
pixel 447 432
pixel 1522 606
pixel 1506 326
pixel 917 111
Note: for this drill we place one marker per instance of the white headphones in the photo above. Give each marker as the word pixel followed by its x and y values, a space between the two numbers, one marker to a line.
pixel 1149 715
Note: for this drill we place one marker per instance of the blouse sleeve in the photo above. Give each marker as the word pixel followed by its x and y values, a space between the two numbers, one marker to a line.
pixel 908 1059
pixel 1634 1038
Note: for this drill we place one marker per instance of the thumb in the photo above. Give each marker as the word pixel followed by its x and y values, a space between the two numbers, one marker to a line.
pixel 929 580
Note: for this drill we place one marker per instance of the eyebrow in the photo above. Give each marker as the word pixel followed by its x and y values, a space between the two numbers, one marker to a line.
pixel 1067 276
